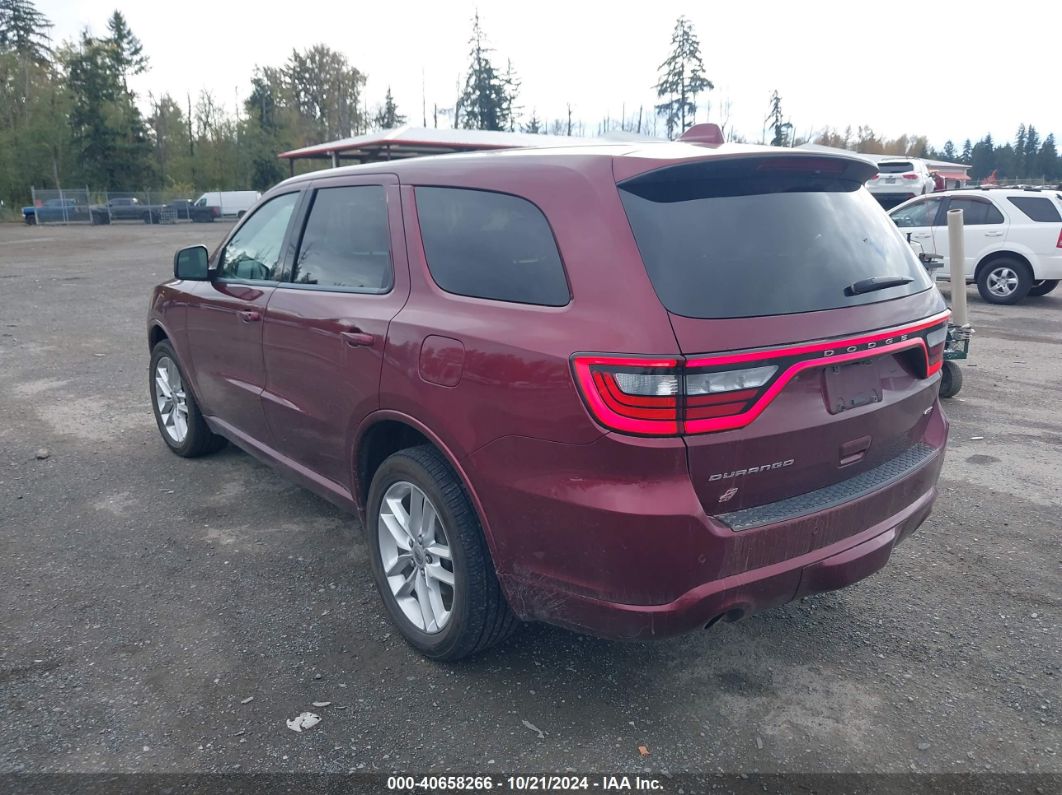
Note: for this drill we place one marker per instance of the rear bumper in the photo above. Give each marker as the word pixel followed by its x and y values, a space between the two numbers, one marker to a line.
pixel 634 556
pixel 833 567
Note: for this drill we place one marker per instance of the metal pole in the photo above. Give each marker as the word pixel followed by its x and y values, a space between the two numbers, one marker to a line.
pixel 957 263
pixel 335 159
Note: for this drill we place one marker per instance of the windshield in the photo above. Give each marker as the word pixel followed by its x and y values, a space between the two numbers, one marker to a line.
pixel 757 244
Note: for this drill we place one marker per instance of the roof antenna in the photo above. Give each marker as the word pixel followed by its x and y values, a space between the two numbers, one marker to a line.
pixel 707 133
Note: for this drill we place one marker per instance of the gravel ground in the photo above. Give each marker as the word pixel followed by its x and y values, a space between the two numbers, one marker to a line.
pixel 164 615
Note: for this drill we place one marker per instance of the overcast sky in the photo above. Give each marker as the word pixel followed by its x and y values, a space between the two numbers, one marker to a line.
pixel 920 71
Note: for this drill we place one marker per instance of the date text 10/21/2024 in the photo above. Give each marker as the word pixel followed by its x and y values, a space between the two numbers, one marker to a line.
pixel 533 783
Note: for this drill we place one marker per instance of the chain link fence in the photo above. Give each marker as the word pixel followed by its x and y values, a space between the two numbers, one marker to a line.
pixel 83 206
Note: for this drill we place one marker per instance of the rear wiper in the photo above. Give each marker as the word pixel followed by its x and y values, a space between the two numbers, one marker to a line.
pixel 876 283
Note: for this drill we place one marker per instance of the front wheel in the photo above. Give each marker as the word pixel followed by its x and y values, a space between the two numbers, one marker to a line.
pixel 176 411
pixel 1043 287
pixel 1004 281
pixel 429 559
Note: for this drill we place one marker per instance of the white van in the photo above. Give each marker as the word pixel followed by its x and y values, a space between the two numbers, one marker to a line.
pixel 219 204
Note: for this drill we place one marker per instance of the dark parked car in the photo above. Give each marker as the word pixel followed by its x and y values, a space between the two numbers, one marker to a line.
pixel 630 390
pixel 54 211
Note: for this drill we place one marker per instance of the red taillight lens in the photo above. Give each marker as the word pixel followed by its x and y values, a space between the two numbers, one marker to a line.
pixel 1059 243
pixel 910 176
pixel 659 397
pixel 629 394
pixel 935 341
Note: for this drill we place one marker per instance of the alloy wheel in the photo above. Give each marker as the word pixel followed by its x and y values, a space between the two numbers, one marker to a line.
pixel 416 557
pixel 171 400
pixel 1002 281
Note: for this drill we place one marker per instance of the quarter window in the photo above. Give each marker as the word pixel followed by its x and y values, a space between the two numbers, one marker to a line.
pixel 254 252
pixel 490 245
pixel 1037 208
pixel 346 243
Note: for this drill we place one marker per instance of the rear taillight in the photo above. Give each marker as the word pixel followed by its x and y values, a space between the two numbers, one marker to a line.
pixel 910 176
pixel 667 396
pixel 935 341
pixel 1059 243
pixel 629 394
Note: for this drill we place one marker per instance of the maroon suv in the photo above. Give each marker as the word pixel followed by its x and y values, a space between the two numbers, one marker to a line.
pixel 628 389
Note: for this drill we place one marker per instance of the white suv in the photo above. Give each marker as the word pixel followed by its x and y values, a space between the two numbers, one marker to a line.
pixel 1013 238
pixel 900 180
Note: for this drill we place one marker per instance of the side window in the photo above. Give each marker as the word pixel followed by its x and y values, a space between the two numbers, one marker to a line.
pixel 346 242
pixel 490 245
pixel 1036 208
pixel 921 213
pixel 254 251
pixel 976 212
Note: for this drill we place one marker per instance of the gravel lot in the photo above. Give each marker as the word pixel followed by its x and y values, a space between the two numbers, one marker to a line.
pixel 165 615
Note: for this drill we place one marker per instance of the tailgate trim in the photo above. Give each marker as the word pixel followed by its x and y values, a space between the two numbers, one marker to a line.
pixel 831 496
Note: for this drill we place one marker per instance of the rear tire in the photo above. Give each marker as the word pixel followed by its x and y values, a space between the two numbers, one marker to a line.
pixel 1043 287
pixel 950 379
pixel 478 615
pixel 180 422
pixel 1004 281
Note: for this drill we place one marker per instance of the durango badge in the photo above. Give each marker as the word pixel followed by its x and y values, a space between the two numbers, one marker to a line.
pixel 751 470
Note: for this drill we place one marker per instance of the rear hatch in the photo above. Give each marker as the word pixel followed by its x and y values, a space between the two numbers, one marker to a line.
pixel 896 175
pixel 810 333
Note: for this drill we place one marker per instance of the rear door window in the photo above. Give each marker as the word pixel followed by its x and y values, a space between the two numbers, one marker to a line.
pixel 485 244
pixel 751 238
pixel 976 212
pixel 1037 208
pixel 346 243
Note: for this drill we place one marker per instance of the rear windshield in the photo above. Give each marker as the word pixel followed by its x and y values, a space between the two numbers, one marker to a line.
pixel 1037 208
pixel 722 242
pixel 895 167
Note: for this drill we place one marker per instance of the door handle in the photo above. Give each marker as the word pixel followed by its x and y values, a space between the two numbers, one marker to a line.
pixel 993 234
pixel 249 316
pixel 921 236
pixel 356 338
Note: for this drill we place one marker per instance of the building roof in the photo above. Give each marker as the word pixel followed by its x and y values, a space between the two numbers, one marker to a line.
pixel 404 142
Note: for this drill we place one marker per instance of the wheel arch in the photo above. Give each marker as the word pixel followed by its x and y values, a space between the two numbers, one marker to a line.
pixel 385 432
pixel 993 256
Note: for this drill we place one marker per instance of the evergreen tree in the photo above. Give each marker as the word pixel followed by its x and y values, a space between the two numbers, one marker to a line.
pixel 982 158
pixel 1047 163
pixel 23 30
pixel 484 103
pixel 534 124
pixel 948 152
pixel 388 117
pixel 1019 141
pixel 107 129
pixel 782 129
pixel 1030 157
pixel 681 79
pixel 126 51
pixel 967 152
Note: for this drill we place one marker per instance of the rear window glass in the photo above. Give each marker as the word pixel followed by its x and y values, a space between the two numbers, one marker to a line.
pixel 1038 209
pixel 895 168
pixel 490 245
pixel 752 244
pixel 977 212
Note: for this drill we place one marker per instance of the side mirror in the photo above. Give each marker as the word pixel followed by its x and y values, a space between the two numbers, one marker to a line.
pixel 192 263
